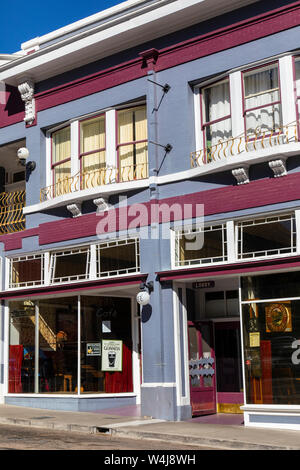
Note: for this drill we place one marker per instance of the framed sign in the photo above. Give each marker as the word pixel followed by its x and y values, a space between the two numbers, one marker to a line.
pixel 278 317
pixel 93 349
pixel 112 355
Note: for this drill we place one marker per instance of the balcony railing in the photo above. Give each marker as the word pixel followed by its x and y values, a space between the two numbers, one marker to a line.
pixel 93 179
pixel 12 218
pixel 239 146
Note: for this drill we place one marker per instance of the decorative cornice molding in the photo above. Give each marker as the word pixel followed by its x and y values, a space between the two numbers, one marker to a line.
pixel 241 175
pixel 26 89
pixel 278 167
pixel 102 204
pixel 75 209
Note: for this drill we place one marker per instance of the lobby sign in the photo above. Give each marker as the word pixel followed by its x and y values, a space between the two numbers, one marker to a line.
pixel 112 356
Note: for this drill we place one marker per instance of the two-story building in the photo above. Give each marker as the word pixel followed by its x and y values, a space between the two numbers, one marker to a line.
pixel 154 147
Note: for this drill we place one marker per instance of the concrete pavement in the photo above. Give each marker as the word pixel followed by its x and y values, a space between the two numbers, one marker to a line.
pixel 234 437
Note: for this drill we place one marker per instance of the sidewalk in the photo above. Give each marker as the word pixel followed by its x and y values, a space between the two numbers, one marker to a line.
pixel 195 433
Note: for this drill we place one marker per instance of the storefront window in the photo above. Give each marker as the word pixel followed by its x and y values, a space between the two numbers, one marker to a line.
pixel 44 347
pixel 21 369
pixel 271 332
pixel 106 323
pixel 58 349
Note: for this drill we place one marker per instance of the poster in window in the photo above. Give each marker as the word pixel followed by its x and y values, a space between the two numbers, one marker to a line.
pixel 93 349
pixel 112 356
pixel 278 317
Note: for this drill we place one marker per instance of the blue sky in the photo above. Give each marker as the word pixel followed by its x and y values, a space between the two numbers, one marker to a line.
pixel 23 21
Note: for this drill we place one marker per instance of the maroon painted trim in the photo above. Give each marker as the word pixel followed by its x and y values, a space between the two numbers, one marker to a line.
pixel 201 46
pixel 236 268
pixel 259 193
pixel 72 288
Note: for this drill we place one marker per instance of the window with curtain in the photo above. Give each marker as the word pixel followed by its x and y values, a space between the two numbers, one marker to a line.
pixel 297 78
pixel 92 152
pixel 132 143
pixel 262 100
pixel 216 113
pixel 61 160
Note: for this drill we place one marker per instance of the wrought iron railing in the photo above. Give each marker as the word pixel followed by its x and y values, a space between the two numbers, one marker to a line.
pixel 250 142
pixel 12 218
pixel 93 179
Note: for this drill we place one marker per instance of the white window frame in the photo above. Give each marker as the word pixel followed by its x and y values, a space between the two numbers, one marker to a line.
pixel 111 244
pixel 262 254
pixel 110 138
pixel 69 252
pixel 24 257
pixel 203 261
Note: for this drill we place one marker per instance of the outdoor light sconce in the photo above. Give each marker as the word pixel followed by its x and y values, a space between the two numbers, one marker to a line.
pixel 143 297
pixel 23 154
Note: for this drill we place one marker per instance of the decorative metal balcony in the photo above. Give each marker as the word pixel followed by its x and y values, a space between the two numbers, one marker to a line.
pixel 93 179
pixel 12 218
pixel 246 143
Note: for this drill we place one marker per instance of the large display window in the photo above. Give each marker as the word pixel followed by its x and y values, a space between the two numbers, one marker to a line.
pixel 70 345
pixel 271 332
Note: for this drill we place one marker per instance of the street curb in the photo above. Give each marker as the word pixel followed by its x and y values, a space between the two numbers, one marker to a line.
pixel 225 444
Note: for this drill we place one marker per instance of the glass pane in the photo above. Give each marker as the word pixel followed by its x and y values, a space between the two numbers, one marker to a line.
pixel 271 286
pixel 206 247
pixel 216 101
pixel 271 332
pixel 70 267
pixel 61 145
pixel 194 356
pixel 297 74
pixel 92 134
pixel 117 259
pixel 21 347
pixel 62 175
pixel 132 125
pixel 267 239
pixel 26 272
pixel 58 345
pixel 206 340
pixel 215 134
pixel 105 318
pixel 260 87
pixel 263 120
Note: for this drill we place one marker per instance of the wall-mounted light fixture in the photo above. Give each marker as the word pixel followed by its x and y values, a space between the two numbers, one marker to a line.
pixel 23 154
pixel 143 297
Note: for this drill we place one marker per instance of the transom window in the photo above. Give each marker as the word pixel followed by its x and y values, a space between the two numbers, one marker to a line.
pixel 70 265
pixel 26 271
pixel 201 245
pixel 118 257
pixel 262 106
pixel 268 236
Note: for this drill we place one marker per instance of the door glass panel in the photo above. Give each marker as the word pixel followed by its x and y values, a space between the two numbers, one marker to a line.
pixel 194 356
pixel 207 353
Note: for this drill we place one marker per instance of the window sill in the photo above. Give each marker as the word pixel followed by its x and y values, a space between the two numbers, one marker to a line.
pixel 86 194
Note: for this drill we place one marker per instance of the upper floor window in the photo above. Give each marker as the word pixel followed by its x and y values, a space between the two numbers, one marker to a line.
pixel 132 143
pixel 108 148
pixel 61 155
pixel 297 78
pixel 216 113
pixel 92 151
pixel 262 106
pixel 26 271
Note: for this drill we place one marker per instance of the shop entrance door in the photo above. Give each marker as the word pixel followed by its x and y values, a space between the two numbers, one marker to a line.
pixel 202 368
